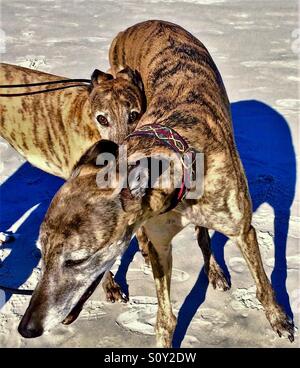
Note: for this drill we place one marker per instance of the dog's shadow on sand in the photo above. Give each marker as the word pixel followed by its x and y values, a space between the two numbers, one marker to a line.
pixel 265 145
pixel 24 199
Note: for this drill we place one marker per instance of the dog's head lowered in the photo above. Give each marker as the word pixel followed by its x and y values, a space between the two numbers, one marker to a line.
pixel 83 232
pixel 116 103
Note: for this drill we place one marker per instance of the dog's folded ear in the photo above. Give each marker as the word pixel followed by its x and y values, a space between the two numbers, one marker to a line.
pixel 98 77
pixel 89 160
pixel 148 179
pixel 132 76
pixel 137 184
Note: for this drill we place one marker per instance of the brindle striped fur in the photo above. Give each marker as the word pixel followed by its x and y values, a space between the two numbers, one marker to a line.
pixel 184 91
pixel 52 130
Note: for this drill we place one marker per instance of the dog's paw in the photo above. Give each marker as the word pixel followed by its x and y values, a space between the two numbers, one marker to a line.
pixel 281 323
pixel 115 294
pixel 113 291
pixel 6 237
pixel 217 278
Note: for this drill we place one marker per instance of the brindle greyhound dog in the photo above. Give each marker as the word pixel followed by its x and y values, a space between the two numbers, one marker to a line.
pixel 52 130
pixel 85 230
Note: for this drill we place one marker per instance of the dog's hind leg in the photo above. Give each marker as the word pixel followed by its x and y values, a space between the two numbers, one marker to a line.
pixel 279 321
pixel 214 272
pixel 112 290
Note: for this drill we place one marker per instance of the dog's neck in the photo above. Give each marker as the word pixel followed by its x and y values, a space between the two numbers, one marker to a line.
pixel 81 128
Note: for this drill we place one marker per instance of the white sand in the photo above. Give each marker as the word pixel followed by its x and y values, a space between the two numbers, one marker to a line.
pixel 252 44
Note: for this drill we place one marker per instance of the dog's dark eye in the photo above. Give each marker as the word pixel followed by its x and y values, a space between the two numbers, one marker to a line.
pixel 72 262
pixel 133 116
pixel 102 120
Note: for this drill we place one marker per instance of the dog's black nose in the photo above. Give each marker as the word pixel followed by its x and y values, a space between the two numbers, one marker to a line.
pixel 29 329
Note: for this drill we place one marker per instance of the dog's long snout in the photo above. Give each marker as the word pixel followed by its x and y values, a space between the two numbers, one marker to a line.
pixel 30 325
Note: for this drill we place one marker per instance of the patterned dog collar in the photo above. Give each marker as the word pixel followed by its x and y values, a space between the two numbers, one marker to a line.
pixel 168 137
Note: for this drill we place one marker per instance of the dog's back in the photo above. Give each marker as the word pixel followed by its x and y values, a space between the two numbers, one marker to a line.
pixel 183 86
pixel 184 91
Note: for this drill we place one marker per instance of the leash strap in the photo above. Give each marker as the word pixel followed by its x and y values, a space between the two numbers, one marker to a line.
pixel 16 291
pixel 42 91
pixel 44 83
pixel 171 139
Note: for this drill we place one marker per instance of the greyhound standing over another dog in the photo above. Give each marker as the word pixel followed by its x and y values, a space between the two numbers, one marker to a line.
pixel 87 227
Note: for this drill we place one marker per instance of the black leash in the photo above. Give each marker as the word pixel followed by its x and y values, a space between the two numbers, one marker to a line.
pixel 16 291
pixel 43 84
pixel 42 91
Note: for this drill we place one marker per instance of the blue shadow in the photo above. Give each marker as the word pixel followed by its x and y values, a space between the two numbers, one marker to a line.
pixel 189 308
pixel 27 187
pixel 120 276
pixel 265 145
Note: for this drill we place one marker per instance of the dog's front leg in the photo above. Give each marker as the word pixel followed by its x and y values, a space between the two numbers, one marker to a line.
pixel 161 262
pixel 143 244
pixel 160 232
pixel 112 290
